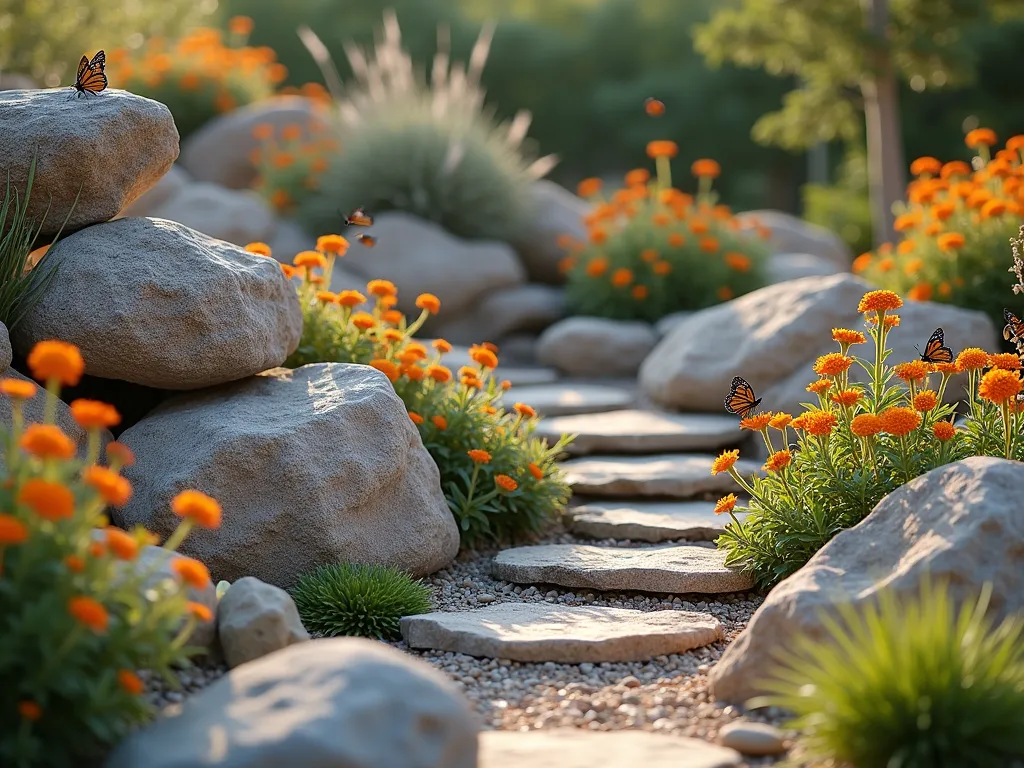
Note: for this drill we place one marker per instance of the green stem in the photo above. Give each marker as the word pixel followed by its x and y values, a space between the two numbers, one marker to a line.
pixel 1007 428
pixel 178 536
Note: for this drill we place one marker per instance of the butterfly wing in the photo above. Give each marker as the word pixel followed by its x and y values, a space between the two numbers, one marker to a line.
pixel 1014 328
pixel 85 63
pixel 741 400
pixel 359 218
pixel 935 350
pixel 98 61
pixel 94 81
pixel 368 240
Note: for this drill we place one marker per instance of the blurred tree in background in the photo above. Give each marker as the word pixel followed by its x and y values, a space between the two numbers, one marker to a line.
pixel 46 38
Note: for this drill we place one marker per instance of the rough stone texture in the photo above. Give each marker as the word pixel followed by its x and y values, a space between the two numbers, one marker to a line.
pixel 651 521
pixel 961 523
pixel 596 346
pixel 674 475
pixel 6 352
pixel 340 702
pixel 155 303
pixel 532 307
pixel 562 634
pixel 558 212
pixel 772 336
pixel 255 619
pixel 238 217
pixel 106 151
pixel 167 187
pixel 312 466
pixel 578 748
pixel 630 431
pixel 663 569
pixel 419 256
pixel 752 738
pixel 793 235
pixel 571 397
pixel 221 150
pixel 793 266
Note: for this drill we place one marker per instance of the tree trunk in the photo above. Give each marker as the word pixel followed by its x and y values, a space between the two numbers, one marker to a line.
pixel 880 89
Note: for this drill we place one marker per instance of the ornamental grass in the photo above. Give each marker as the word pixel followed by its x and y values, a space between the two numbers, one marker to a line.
pixel 499 480
pixel 856 442
pixel 79 617
pixel 954 225
pixel 652 249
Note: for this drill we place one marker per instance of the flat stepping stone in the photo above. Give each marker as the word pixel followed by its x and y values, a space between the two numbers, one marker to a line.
pixel 566 398
pixel 579 748
pixel 673 475
pixel 633 431
pixel 523 376
pixel 651 521
pixel 674 569
pixel 538 632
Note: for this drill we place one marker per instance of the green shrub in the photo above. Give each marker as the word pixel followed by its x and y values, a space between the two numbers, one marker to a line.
pixel 78 615
pixel 860 442
pixel 513 486
pixel 425 149
pixel 653 250
pixel 292 163
pixel 912 683
pixel 358 600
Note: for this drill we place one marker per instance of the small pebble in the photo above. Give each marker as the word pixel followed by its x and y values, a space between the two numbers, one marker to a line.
pixel 752 738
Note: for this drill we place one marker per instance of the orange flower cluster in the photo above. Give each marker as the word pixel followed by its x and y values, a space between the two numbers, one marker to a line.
pixel 291 161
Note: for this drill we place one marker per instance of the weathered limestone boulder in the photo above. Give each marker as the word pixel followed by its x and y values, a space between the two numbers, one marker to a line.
pixel 558 212
pixel 167 187
pixel 98 154
pixel 596 346
pixel 312 466
pixel 255 619
pixel 530 307
pixel 790 234
pixel 772 336
pixel 237 216
pixel 793 266
pixel 961 523
pixel 153 302
pixel 341 702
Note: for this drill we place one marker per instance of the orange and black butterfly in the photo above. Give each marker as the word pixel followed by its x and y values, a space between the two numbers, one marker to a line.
pixel 359 218
pixel 935 350
pixel 1014 328
pixel 368 240
pixel 741 400
pixel 91 78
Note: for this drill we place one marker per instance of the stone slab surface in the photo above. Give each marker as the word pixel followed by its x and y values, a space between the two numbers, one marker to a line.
pixel 651 521
pixel 672 475
pixel 635 431
pixel 567 398
pixel 672 569
pixel 577 748
pixel 538 632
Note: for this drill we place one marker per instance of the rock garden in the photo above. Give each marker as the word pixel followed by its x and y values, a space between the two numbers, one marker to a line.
pixel 312 465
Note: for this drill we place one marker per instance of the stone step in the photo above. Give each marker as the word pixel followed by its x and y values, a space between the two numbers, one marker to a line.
pixel 578 748
pixel 672 569
pixel 671 475
pixel 634 431
pixel 539 632
pixel 566 398
pixel 650 521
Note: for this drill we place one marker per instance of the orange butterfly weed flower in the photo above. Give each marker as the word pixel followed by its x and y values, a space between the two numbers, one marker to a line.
pixel 639 292
pixel 943 430
pixel 439 373
pixel 203 510
pixel 780 421
pixel 56 361
pixel 661 219
pixel 505 482
pixel 819 423
pixel 415 418
pixel 49 500
pixel 327 297
pixel 483 356
pixel 861 263
pixel 676 240
pixel 413 372
pixel 622 277
pixel 653 107
pixel 597 267
pixel 381 288
pixel 363 321
pixel 29 710
pixel 479 456
pixel 240 25
pixel 191 572
pixel 1008 361
pixel 310 260
pixel 335 244
pixel 393 335
pixel 946 369
pixel 260 249
pixel 848 337
pixel 649 255
pixel 725 504
pixel 778 461
pixel 12 530
pixel 388 368
pixel 637 177
pixel 662 148
pixel 879 301
pixel 832 364
pixel 537 472
pixel 972 359
pixel 725 461
pixel 74 563
pixel 47 441
pixel 93 414
pixel 998 386
pixel 440 422
pixel 907 221
pixel 112 488
pixel 950 241
pixel 350 298
pixel 121 544
pixel 706 169
pixel 200 612
pixel 920 292
pixel 846 397
pixel 18 389
pixel 709 245
pixel 915 370
pixel 524 410
pixel 819 387
pixel 926 165
pixel 980 137
pixel 739 262
pixel 757 422
pixel 89 612
pixel 589 187
pixel 925 400
pixel 120 453
pixel 865 425
pixel 429 302
pixel 899 421
pixel 662 268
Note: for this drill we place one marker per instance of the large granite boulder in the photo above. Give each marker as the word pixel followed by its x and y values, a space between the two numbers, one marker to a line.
pixel 596 346
pixel 339 703
pixel 772 336
pixel 153 302
pixel 558 213
pixel 789 234
pixel 313 466
pixel 961 523
pixel 95 155
pixel 237 216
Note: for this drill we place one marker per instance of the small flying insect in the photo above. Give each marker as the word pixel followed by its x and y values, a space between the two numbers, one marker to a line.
pixel 359 218
pixel 1014 328
pixel 741 400
pixel 368 240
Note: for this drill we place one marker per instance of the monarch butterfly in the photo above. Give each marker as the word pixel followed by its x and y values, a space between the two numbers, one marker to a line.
pixel 368 240
pixel 1014 328
pixel 359 218
pixel 91 78
pixel 741 400
pixel 935 350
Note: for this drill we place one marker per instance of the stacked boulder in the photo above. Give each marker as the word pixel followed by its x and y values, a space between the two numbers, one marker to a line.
pixel 316 465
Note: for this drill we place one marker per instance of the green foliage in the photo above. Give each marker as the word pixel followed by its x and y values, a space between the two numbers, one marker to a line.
pixel 358 600
pixel 77 619
pixel 915 683
pixel 426 149
pixel 849 454
pixel 291 165
pixel 653 250
pixel 843 207
pixel 519 487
